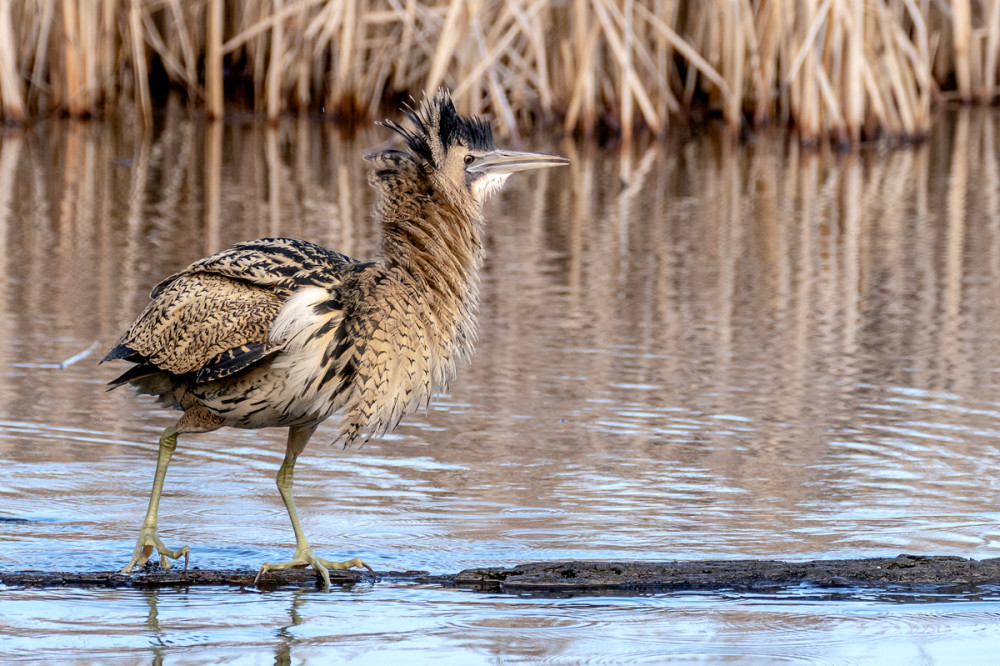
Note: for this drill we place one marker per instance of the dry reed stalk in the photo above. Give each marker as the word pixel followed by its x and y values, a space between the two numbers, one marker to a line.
pixel 753 67
pixel 696 30
pixel 807 113
pixel 919 58
pixel 10 87
pixel 581 110
pixel 88 48
pixel 535 32
pixel 39 53
pixel 626 72
pixel 408 19
pixel 186 45
pixel 992 53
pixel 733 63
pixel 896 77
pixel 260 23
pixel 767 27
pixel 139 62
pixel 835 121
pixel 214 103
pixel 171 63
pixel 256 49
pixel 71 30
pixel 302 63
pixel 107 42
pixel 472 77
pixel 274 73
pixel 343 89
pixel 881 108
pixel 679 44
pixel 628 34
pixel 642 52
pixel 962 28
pixel 446 45
pixel 504 109
pixel 818 18
pixel 853 76
pixel 173 45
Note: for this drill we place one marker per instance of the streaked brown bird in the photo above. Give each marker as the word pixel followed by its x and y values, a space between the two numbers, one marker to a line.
pixel 284 332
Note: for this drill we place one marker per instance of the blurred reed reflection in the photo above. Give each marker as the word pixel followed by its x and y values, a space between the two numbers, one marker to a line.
pixel 679 322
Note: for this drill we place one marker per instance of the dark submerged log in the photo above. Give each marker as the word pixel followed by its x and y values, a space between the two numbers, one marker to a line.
pixel 155 577
pixel 902 574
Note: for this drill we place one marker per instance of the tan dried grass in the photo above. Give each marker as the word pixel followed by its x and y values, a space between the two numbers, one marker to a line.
pixel 846 69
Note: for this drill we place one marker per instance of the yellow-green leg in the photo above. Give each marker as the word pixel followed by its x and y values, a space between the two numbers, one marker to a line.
pixel 298 437
pixel 149 537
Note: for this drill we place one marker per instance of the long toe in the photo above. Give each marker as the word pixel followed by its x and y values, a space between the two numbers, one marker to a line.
pixel 149 540
pixel 166 555
pixel 306 558
pixel 298 562
pixel 346 564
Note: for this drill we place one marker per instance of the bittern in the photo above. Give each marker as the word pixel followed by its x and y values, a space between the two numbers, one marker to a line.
pixel 284 332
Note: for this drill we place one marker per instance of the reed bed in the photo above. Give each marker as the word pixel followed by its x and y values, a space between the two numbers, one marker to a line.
pixel 844 69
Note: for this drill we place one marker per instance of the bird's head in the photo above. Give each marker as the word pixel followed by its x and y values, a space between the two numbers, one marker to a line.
pixel 461 148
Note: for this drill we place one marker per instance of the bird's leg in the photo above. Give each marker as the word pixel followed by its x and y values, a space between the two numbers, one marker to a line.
pixel 149 538
pixel 298 437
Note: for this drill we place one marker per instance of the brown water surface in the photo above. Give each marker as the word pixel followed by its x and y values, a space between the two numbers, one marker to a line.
pixel 687 350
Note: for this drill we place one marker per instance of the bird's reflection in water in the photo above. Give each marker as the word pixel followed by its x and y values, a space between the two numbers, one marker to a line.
pixel 286 638
pixel 157 644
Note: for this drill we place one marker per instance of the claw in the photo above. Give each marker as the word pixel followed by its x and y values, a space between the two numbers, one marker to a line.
pixel 149 539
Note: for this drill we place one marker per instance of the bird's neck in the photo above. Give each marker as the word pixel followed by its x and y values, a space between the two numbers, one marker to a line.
pixel 434 241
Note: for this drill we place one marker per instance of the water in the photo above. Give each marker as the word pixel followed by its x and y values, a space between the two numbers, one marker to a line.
pixel 688 350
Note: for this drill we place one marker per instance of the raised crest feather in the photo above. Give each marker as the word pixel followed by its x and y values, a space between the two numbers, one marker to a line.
pixel 437 126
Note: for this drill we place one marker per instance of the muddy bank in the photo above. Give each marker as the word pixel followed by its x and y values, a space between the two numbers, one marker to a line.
pixel 905 573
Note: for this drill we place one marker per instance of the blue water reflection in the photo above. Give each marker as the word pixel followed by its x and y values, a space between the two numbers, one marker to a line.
pixel 390 624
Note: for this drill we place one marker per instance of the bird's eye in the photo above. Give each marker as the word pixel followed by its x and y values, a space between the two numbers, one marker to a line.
pixel 469 159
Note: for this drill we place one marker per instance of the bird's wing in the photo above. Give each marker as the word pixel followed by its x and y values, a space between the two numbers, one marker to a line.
pixel 284 265
pixel 202 323
pixel 213 318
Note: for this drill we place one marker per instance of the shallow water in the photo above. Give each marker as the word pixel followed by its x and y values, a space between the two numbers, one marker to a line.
pixel 688 350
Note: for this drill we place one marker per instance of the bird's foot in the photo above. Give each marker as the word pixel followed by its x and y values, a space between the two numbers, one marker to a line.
pixel 304 557
pixel 149 539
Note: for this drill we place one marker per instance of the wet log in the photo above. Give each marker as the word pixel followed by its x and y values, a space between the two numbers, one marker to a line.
pixel 155 577
pixel 905 573
pixel 902 573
